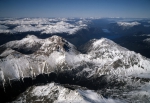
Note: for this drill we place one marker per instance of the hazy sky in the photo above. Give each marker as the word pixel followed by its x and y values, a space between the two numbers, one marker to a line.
pixel 75 8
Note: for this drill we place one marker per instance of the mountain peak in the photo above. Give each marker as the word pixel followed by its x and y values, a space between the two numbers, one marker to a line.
pixel 28 44
pixel 31 36
pixel 103 43
pixel 56 43
pixel 55 39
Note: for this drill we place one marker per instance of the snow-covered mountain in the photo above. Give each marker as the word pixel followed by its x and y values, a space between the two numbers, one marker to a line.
pixel 128 24
pixel 42 25
pixel 101 63
pixel 51 50
pixel 128 28
pixel 29 43
pixel 103 54
pixel 56 93
pixel 116 58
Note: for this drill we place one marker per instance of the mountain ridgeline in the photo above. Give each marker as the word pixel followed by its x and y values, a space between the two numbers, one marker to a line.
pixel 100 65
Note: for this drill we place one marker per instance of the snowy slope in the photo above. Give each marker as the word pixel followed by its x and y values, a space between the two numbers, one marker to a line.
pixel 103 57
pixel 56 93
pixel 29 43
pixel 49 55
pixel 116 60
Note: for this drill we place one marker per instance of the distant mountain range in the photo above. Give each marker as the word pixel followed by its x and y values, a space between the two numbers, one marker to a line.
pixel 79 30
